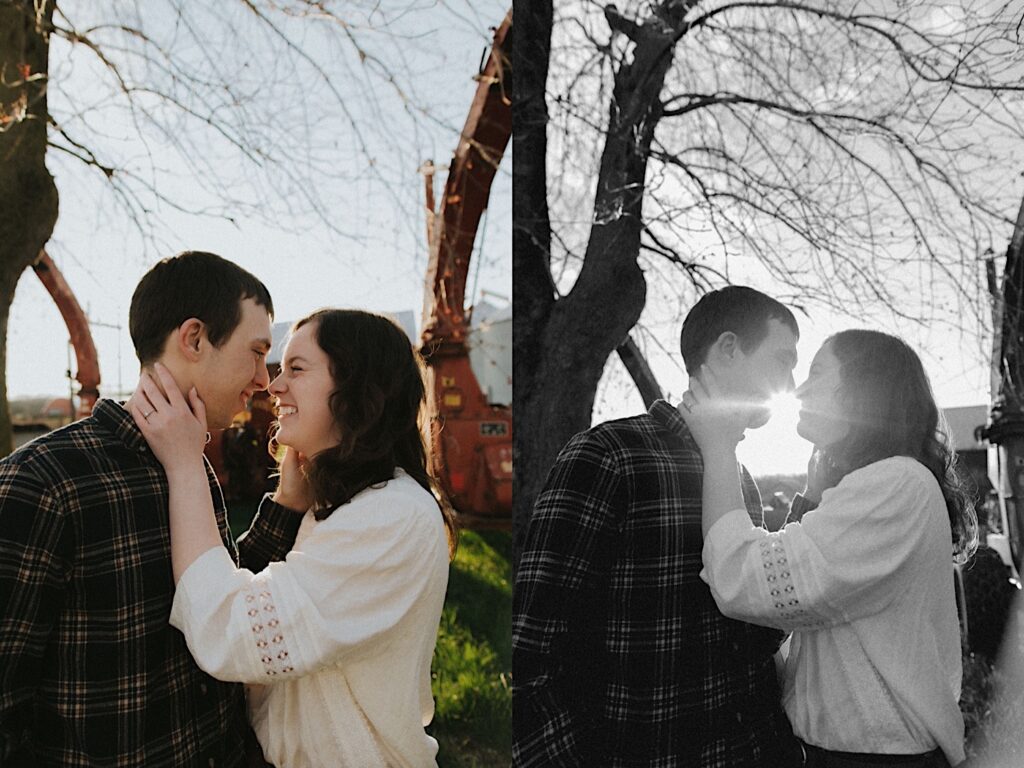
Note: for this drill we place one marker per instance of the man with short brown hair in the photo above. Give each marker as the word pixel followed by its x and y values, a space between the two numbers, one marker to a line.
pixel 91 673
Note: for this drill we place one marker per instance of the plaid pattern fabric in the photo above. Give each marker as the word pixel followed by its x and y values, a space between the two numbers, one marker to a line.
pixel 798 507
pixel 91 673
pixel 620 656
pixel 270 537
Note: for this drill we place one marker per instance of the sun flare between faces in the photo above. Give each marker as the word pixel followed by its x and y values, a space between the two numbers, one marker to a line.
pixel 776 448
pixel 785 408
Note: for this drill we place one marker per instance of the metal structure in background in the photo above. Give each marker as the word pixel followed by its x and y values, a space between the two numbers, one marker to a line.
pixel 471 438
pixel 1005 428
pixel 88 374
pixel 640 371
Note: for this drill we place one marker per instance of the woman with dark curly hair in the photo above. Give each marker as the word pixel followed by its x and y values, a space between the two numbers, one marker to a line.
pixel 864 578
pixel 339 636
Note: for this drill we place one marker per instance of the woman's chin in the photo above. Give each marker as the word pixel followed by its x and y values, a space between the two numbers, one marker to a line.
pixel 283 438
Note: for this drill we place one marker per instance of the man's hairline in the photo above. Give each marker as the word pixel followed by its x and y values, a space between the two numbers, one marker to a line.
pixel 265 341
pixel 760 342
pixel 795 331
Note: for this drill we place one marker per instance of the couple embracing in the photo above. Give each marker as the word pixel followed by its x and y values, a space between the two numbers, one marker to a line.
pixel 653 597
pixel 128 614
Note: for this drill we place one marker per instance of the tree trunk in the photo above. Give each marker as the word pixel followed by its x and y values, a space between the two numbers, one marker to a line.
pixel 28 195
pixel 561 345
pixel 534 295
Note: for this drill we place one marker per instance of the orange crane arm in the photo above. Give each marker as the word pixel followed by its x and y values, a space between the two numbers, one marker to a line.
pixel 471 439
pixel 78 327
pixel 453 229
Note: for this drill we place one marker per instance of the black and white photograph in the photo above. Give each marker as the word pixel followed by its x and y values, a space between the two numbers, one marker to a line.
pixel 767 348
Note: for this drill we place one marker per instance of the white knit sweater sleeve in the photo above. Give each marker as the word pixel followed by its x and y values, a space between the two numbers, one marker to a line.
pixel 350 583
pixel 845 560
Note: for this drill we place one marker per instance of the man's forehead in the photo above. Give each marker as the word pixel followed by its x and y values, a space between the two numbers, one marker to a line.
pixel 254 335
pixel 775 328
pixel 258 328
pixel 256 318
pixel 780 338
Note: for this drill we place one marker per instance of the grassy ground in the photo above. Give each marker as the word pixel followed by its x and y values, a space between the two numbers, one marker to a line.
pixel 473 659
pixel 993 700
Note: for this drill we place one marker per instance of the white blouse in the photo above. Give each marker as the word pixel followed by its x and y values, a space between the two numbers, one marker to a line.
pixel 339 635
pixel 865 581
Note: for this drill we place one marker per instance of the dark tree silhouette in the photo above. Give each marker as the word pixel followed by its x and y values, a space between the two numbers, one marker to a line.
pixel 836 147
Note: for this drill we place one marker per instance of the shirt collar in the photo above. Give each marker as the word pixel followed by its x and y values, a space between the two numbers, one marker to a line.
pixel 112 415
pixel 668 417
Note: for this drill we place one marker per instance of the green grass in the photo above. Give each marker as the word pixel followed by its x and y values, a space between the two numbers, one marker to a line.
pixel 473 658
pixel 240 515
pixel 471 673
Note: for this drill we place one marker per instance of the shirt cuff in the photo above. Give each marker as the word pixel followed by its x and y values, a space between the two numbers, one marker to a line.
pixel 270 537
pixel 278 514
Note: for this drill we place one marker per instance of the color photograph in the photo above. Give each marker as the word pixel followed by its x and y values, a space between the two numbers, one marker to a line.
pixel 255 421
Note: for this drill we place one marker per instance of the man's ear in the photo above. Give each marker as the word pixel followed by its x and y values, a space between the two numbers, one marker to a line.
pixel 191 339
pixel 724 349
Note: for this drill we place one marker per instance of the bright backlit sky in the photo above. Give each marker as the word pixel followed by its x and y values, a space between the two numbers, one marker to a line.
pixel 686 178
pixel 378 264
pixel 955 364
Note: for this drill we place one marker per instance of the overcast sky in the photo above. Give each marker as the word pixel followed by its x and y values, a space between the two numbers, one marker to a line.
pixel 375 260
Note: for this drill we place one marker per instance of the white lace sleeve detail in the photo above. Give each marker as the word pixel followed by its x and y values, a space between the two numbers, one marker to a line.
pixel 781 587
pixel 267 633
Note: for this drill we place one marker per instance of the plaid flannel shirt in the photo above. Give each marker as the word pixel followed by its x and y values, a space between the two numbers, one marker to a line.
pixel 620 655
pixel 91 673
